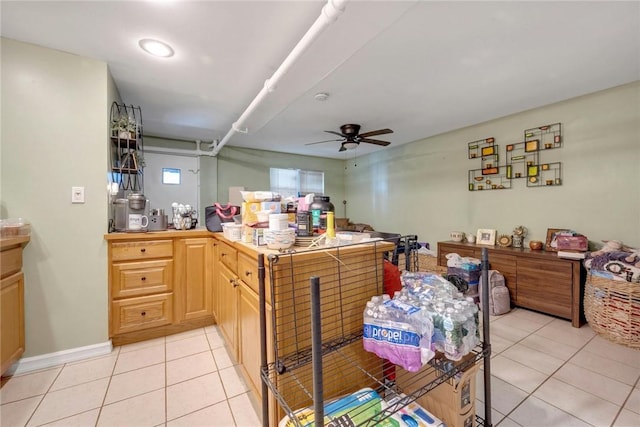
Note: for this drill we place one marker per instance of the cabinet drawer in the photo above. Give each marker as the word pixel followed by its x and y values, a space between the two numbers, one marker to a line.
pixel 228 256
pixel 131 279
pixel 135 314
pixel 125 251
pixel 248 271
pixel 10 261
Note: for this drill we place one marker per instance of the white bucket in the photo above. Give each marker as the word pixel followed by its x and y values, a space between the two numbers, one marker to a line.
pixel 278 222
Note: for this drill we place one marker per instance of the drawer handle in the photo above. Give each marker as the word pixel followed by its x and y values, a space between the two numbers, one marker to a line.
pixel 143 278
pixel 234 282
pixel 143 250
pixel 223 254
pixel 247 273
pixel 144 313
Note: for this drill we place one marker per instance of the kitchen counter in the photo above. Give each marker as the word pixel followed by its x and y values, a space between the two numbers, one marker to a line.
pixel 8 242
pixel 168 234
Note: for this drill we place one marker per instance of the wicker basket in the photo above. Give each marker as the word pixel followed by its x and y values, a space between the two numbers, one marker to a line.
pixel 612 309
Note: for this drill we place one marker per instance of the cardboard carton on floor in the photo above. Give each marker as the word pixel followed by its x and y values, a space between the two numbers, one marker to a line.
pixel 448 414
pixel 457 393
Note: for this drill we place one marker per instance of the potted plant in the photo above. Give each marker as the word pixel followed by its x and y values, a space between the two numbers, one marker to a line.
pixel 124 127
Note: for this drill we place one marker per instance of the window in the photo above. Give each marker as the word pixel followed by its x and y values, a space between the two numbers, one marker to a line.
pixel 296 182
pixel 171 176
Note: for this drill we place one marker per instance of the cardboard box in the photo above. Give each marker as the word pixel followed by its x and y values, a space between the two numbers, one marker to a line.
pixel 258 237
pixel 274 207
pixel 250 210
pixel 458 394
pixel 450 417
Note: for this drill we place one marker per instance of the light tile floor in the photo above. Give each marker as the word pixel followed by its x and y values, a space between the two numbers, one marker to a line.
pixel 543 373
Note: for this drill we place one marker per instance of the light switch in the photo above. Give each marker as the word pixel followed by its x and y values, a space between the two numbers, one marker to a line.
pixel 77 194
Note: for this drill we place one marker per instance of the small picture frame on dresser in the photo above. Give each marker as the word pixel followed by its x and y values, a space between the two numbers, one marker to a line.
pixel 486 236
pixel 552 234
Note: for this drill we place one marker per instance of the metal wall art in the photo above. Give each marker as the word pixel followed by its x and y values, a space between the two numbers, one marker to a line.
pixel 523 160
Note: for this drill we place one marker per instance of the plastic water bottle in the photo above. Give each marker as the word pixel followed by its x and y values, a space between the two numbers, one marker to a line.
pixel 452 335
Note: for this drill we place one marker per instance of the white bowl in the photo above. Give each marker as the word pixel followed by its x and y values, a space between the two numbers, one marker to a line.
pixel 279 239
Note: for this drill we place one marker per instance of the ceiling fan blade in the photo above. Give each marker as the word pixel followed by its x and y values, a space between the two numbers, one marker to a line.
pixel 342 148
pixel 320 142
pixel 375 132
pixel 375 141
pixel 336 133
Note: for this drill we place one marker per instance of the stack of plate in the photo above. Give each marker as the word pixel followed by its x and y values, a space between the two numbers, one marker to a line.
pixel 306 240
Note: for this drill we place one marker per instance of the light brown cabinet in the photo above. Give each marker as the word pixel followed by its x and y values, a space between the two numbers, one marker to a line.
pixel 160 283
pixel 194 271
pixel 11 301
pixel 537 280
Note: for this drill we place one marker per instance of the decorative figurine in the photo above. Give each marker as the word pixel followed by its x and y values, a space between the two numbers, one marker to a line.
pixel 519 233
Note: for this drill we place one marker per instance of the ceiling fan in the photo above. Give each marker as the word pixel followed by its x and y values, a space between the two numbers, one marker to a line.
pixel 351 137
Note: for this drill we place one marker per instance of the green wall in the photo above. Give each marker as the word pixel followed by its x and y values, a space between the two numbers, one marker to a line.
pixel 422 188
pixel 234 167
pixel 55 109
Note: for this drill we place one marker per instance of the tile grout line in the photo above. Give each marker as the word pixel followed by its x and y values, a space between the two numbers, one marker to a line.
pixel 547 379
pixel 633 387
pixel 104 398
pixel 548 376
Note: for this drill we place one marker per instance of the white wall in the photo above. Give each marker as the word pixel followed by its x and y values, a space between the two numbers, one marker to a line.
pixel 54 134
pixel 422 188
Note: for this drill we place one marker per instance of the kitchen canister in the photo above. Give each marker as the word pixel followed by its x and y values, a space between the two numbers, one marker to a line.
pixel 319 208
pixel 304 224
pixel 278 222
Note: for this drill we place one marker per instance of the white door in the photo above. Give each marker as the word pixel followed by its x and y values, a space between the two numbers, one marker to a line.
pixel 185 174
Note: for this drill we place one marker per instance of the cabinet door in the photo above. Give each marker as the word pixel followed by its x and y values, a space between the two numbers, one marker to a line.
pixel 249 336
pixel 545 285
pixel 194 266
pixel 12 319
pixel 228 308
pixel 461 249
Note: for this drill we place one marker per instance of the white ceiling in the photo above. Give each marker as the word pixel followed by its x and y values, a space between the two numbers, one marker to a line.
pixel 418 67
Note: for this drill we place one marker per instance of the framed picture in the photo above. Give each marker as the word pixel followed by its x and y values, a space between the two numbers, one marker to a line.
pixel 552 235
pixel 486 236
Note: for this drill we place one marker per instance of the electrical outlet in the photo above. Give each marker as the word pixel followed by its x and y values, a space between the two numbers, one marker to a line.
pixel 77 194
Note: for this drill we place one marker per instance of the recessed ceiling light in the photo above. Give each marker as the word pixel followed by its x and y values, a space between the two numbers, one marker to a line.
pixel 156 48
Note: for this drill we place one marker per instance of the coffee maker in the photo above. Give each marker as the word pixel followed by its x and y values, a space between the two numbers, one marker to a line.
pixel 131 213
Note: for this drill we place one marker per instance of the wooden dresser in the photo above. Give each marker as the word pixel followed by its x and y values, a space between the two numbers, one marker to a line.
pixel 538 280
pixel 11 300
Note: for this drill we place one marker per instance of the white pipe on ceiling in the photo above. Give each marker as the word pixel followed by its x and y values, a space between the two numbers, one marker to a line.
pixel 182 151
pixel 328 16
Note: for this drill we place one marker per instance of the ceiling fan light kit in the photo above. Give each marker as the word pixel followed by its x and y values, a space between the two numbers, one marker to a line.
pixel 350 137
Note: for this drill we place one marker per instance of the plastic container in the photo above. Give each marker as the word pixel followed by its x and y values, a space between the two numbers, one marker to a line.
pixel 232 231
pixel 279 222
pixel 14 227
pixel 304 224
pixel 320 206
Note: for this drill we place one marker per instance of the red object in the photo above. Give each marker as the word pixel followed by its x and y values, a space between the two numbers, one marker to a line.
pixel 391 278
pixel 572 243
pixel 391 283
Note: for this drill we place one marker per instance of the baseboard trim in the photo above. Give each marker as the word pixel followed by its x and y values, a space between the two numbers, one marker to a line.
pixel 35 363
